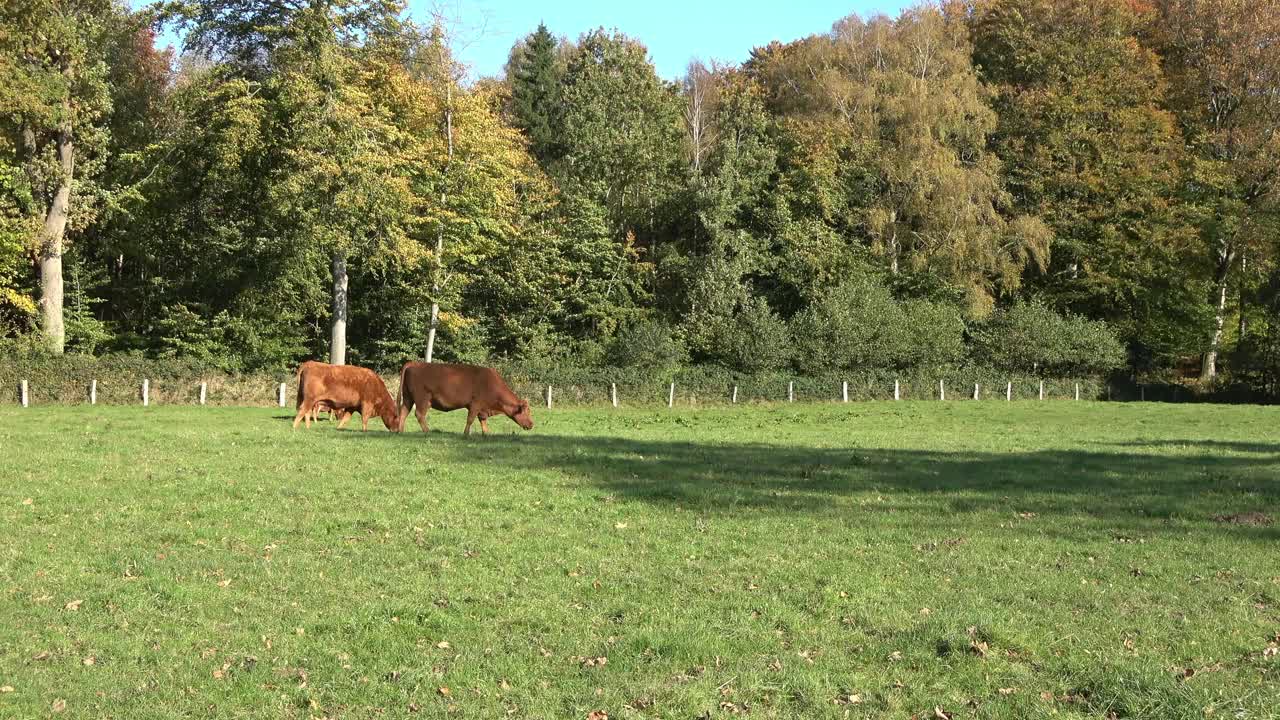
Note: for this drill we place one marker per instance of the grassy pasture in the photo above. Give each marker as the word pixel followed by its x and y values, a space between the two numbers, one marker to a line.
pixel 987 560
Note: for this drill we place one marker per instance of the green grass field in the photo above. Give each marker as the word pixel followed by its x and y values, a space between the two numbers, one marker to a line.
pixel 871 560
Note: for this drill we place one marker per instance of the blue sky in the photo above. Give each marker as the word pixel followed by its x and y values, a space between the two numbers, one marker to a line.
pixel 675 31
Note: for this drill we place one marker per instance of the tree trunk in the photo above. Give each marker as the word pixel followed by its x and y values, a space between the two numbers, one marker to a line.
pixel 1209 367
pixel 893 253
pixel 338 336
pixel 51 235
pixel 436 285
pixel 1244 322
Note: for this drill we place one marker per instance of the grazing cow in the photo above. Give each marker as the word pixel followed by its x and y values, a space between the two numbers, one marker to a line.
pixel 346 390
pixel 449 387
pixel 322 406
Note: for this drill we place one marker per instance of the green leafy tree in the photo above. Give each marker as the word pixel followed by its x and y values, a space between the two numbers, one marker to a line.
pixel 1088 147
pixel 1223 72
pixel 535 93
pixel 55 99
pixel 621 134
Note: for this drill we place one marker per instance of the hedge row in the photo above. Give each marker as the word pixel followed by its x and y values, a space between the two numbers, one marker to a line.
pixel 66 380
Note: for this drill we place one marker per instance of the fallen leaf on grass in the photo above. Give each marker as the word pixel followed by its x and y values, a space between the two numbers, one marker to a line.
pixel 620 526
pixel 895 655
pixel 6 689
pixel 941 714
pixel 443 645
pixel 59 705
pixel 1007 691
pixel 979 648
pixel 224 583
pixel 42 655
pixel 1271 651
pixel 74 605
pixel 91 660
pixel 445 692
pixel 848 699
pixel 925 611
pixel 28 501
pixel 588 662
pixel 597 715
pixel 504 685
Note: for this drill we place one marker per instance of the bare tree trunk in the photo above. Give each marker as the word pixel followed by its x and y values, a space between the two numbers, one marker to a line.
pixel 338 336
pixel 51 236
pixel 436 285
pixel 1209 367
pixel 893 253
pixel 1244 323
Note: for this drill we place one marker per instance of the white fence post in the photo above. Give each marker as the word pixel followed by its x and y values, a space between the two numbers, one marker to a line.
pixel 203 388
pixel 942 390
pixel 897 395
pixel 93 392
pixel 735 394
pixel 1077 392
pixel 280 395
pixel 1008 392
pixel 548 397
pixel 1041 389
pixel 146 392
pixel 671 396
pixel 613 393
pixel 975 391
pixel 24 393
pixel 844 390
pixel 791 391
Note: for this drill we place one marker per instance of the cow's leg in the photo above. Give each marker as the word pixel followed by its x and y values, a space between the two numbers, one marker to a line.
pixel 471 416
pixel 404 413
pixel 302 413
pixel 484 424
pixel 421 412
pixel 365 411
pixel 346 418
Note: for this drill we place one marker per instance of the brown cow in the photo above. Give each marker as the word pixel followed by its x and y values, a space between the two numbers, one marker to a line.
pixel 448 387
pixel 341 415
pixel 345 389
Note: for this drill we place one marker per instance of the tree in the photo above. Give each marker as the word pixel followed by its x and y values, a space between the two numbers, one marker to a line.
pixel 621 127
pixel 57 96
pixel 1224 85
pixel 1087 146
pixel 535 93
pixel 885 134
pixel 338 161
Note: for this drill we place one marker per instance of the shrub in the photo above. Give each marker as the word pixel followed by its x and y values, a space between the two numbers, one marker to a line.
pixel 849 326
pixel 1032 337
pixel 647 344
pixel 859 324
pixel 756 339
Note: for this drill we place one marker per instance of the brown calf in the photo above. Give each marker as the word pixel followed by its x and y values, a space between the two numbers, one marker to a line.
pixel 448 387
pixel 345 390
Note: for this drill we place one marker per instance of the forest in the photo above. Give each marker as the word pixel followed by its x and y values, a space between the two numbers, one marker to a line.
pixel 1057 187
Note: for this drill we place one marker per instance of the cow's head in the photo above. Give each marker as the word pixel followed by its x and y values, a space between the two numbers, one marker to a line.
pixel 390 414
pixel 522 416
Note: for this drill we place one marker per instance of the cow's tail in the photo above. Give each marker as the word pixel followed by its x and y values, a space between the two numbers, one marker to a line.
pixel 400 388
pixel 297 381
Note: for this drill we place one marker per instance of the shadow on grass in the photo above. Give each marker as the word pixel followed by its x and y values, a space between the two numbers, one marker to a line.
pixel 1222 445
pixel 1128 489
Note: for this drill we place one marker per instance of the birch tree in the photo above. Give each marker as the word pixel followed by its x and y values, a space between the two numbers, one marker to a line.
pixel 54 60
pixel 1222 60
